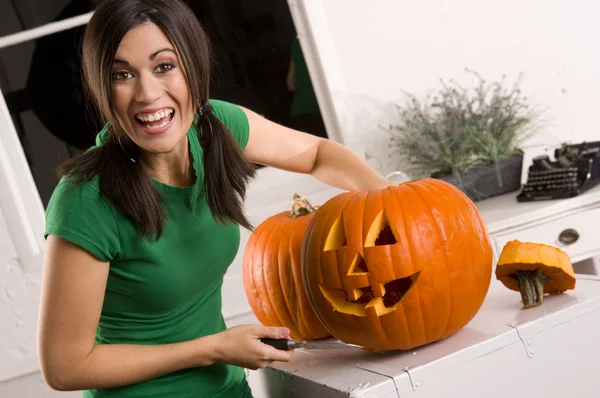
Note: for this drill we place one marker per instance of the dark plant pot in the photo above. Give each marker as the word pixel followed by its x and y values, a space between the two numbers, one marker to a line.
pixel 486 182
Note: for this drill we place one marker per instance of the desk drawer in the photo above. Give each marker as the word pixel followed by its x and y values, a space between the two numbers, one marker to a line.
pixel 576 234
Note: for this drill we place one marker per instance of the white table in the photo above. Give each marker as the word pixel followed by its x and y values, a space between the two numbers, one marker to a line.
pixel 544 221
pixel 504 351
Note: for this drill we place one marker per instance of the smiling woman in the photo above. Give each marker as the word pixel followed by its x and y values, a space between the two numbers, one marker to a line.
pixel 143 226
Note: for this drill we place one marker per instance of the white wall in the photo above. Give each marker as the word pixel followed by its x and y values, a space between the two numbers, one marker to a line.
pixel 19 297
pixel 375 51
pixel 18 306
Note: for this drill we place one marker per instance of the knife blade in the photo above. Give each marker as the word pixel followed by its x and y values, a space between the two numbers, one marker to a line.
pixel 288 344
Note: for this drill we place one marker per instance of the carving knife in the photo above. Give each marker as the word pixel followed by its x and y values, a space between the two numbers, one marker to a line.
pixel 287 344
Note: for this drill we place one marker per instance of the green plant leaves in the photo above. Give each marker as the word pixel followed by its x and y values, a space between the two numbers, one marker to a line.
pixel 460 129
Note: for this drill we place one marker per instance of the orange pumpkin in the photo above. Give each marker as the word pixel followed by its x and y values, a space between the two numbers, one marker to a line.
pixel 271 271
pixel 534 269
pixel 397 268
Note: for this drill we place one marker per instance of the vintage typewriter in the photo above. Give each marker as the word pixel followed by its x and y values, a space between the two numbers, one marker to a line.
pixel 576 170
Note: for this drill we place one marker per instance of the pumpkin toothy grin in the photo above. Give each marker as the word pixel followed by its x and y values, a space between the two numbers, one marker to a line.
pixel 393 293
pixel 155 120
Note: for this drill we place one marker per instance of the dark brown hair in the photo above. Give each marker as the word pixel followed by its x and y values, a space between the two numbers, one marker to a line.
pixel 124 182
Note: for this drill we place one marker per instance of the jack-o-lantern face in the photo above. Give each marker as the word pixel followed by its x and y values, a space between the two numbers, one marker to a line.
pixel 378 295
pixel 397 268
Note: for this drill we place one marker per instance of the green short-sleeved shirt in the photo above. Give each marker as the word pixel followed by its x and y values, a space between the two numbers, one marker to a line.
pixel 161 291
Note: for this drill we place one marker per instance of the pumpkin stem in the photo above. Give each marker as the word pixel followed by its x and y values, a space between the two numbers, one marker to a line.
pixel 301 207
pixel 531 285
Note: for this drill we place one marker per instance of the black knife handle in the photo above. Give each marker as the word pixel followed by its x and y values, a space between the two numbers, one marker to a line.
pixel 280 344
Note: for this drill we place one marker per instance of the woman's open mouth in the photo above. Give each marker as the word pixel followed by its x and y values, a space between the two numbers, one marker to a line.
pixel 156 122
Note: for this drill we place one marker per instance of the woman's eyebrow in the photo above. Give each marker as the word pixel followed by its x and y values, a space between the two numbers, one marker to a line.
pixel 154 54
pixel 151 57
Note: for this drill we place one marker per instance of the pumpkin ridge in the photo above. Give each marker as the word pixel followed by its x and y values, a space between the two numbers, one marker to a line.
pixel 286 237
pixel 317 227
pixel 428 206
pixel 295 313
pixel 360 198
pixel 301 313
pixel 250 285
pixel 480 227
pixel 462 223
pixel 410 244
pixel 269 302
pixel 357 199
pixel 311 229
pixel 399 313
pixel 379 196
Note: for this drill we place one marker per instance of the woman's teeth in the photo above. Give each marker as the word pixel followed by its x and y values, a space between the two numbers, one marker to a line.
pixel 149 120
pixel 163 124
pixel 151 117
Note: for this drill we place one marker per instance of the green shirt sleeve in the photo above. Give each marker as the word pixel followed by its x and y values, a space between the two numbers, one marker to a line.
pixel 234 118
pixel 79 214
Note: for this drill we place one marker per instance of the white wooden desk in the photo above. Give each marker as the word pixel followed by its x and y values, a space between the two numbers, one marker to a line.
pixel 503 352
pixel 544 221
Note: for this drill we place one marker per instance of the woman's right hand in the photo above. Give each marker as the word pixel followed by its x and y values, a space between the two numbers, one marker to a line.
pixel 241 346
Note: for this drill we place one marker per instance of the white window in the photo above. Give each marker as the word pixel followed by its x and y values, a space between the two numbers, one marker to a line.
pixel 30 148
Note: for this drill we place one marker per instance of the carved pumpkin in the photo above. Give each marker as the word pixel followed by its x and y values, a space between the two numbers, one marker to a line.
pixel 397 268
pixel 271 271
pixel 534 269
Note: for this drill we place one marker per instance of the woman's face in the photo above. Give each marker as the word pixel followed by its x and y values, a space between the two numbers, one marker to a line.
pixel 150 93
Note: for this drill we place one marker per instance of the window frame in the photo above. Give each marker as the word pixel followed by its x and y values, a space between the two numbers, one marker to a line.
pixel 20 201
pixel 19 197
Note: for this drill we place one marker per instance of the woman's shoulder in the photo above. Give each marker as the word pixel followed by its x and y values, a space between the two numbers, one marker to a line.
pixel 70 189
pixel 229 113
pixel 234 118
pixel 77 211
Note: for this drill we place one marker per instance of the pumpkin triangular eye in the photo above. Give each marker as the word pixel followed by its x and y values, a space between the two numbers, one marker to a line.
pixel 358 266
pixel 337 236
pixel 381 233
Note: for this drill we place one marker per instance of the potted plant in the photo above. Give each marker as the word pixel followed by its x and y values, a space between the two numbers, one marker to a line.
pixel 469 138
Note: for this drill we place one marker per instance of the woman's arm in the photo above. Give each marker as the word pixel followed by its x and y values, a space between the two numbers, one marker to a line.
pixel 277 146
pixel 73 285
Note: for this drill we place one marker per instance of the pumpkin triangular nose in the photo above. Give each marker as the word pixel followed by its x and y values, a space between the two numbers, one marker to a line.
pixel 358 266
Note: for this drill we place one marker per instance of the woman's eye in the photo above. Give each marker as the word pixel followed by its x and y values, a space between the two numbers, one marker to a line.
pixel 163 68
pixel 118 76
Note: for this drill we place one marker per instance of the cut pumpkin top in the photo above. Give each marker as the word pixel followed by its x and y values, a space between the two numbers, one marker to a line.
pixel 554 263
